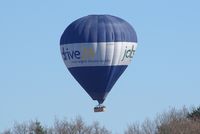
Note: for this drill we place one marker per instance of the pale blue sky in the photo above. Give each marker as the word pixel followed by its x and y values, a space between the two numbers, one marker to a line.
pixel 35 84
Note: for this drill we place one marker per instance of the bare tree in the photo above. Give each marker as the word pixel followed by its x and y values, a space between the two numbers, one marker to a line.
pixel 177 122
pixel 171 122
pixel 32 127
pixel 147 127
pixel 7 132
pixel 77 126
pixel 133 129
pixel 97 129
pixel 20 128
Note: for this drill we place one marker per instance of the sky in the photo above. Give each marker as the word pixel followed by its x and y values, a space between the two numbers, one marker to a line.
pixel 35 84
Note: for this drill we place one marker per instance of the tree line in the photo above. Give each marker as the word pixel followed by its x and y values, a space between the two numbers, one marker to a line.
pixel 173 121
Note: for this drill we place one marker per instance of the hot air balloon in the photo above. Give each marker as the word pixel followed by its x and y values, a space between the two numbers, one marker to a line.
pixel 97 49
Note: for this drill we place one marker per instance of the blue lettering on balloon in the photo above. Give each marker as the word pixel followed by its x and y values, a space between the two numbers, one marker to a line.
pixel 77 54
pixel 128 53
pixel 69 55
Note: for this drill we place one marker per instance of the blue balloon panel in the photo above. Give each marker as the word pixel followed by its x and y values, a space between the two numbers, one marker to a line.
pixel 97 81
pixel 98 28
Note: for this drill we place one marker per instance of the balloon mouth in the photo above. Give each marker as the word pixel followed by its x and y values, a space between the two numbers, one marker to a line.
pixel 100 101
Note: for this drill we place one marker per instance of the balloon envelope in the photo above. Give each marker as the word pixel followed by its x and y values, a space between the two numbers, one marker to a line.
pixel 96 50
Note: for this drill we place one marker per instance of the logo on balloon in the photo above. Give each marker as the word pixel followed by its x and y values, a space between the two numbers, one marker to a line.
pixel 76 54
pixel 128 53
pixel 87 53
